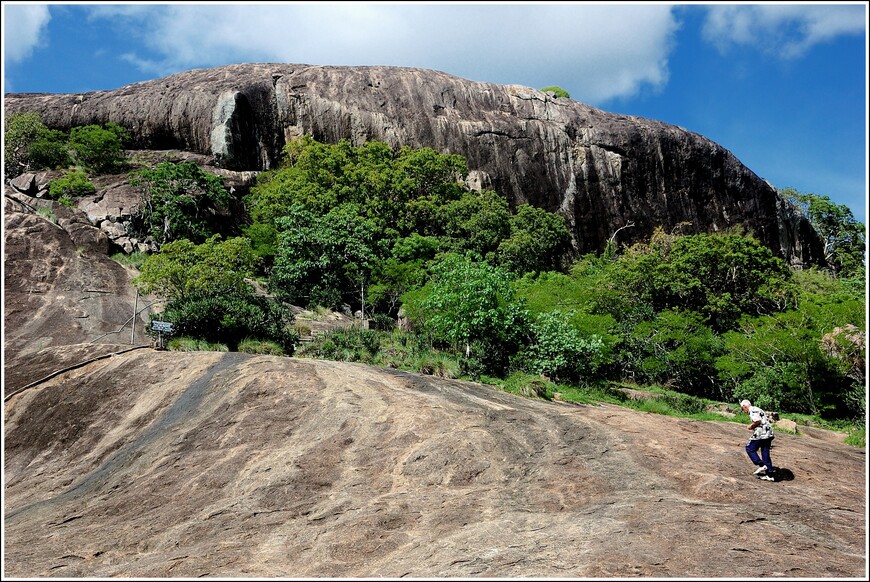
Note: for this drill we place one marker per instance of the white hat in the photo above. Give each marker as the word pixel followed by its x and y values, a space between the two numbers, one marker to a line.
pixel 745 403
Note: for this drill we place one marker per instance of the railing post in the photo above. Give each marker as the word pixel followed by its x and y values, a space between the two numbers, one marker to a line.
pixel 133 327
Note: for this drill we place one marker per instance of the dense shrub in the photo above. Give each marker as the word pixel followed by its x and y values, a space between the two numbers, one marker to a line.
pixel 74 183
pixel 559 351
pixel 30 145
pixel 180 201
pixel 100 149
pixel 347 345
pixel 231 319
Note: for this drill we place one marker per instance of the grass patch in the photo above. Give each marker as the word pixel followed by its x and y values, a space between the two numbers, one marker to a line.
pixel 436 364
pixel 133 260
pixel 529 385
pixel 857 437
pixel 47 213
pixel 186 344
pixel 262 347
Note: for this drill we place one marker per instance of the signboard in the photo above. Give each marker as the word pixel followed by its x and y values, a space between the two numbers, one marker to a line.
pixel 162 326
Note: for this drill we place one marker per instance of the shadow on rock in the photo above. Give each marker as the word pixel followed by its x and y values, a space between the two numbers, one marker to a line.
pixel 783 474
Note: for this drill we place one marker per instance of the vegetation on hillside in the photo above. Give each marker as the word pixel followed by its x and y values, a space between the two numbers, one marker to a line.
pixel 490 291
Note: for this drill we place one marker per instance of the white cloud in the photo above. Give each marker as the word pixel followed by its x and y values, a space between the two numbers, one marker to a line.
pixel 788 31
pixel 596 52
pixel 23 28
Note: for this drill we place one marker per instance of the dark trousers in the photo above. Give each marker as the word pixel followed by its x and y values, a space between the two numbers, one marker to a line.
pixel 762 445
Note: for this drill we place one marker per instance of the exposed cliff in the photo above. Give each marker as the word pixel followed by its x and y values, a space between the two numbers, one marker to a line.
pixel 600 170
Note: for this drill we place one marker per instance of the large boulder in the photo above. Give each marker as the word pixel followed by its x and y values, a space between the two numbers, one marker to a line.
pixel 600 170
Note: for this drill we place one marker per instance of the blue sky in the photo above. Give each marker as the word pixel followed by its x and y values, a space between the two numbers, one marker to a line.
pixel 783 87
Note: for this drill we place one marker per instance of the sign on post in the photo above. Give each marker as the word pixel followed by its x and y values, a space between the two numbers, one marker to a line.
pixel 162 326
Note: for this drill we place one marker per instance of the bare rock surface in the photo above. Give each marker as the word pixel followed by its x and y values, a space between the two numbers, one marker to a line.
pixel 600 170
pixel 159 464
pixel 60 288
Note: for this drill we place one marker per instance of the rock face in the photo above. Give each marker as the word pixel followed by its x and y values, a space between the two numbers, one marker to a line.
pixel 60 288
pixel 226 465
pixel 600 170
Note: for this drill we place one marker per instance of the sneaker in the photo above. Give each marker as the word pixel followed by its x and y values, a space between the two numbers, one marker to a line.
pixel 760 470
pixel 765 477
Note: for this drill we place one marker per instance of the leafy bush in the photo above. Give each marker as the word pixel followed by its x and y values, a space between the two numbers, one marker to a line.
pixel 180 201
pixel 30 145
pixel 559 350
pixel 347 345
pixel 100 149
pixel 49 150
pixel 73 184
pixel 230 319
pixel 560 92
pixel 382 322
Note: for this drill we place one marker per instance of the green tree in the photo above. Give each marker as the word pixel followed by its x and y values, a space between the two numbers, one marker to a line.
pixel 182 268
pixel 778 359
pixel 677 349
pixel 322 259
pixel 844 238
pixel 179 201
pixel 98 148
pixel 404 270
pixel 721 276
pixel 478 222
pixel 539 241
pixel 471 306
pixel 30 145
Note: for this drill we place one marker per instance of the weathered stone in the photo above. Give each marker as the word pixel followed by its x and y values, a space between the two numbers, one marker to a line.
pixel 25 183
pixel 786 424
pixel 600 170
pixel 112 229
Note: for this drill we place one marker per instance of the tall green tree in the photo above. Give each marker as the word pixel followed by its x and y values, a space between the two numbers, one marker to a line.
pixel 721 276
pixel 844 238
pixel 182 268
pixel 180 201
pixel 471 306
pixel 539 241
pixel 325 260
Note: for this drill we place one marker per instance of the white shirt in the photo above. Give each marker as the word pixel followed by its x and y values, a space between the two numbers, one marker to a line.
pixel 763 430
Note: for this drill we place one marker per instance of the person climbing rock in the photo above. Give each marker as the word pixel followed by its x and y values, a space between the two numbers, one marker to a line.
pixel 761 440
